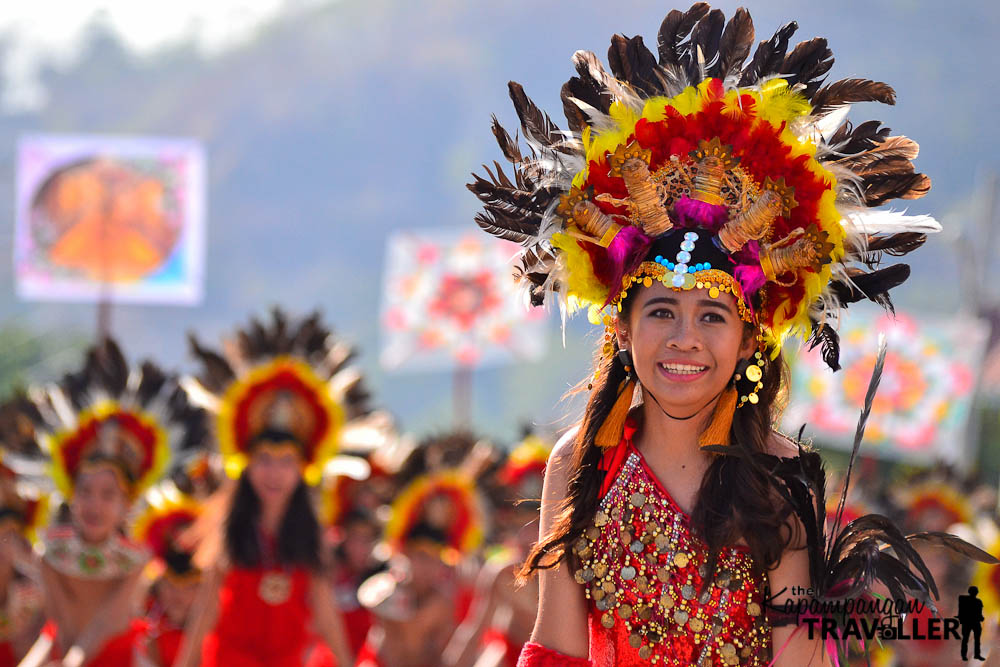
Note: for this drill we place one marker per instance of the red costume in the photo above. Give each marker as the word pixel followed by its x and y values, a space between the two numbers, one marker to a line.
pixel 264 619
pixel 117 651
pixel 642 569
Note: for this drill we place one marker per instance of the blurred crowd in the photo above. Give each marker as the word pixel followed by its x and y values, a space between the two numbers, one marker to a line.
pixel 262 512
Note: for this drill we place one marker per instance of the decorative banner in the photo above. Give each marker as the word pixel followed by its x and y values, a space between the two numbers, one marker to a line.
pixel 120 219
pixel 923 402
pixel 450 301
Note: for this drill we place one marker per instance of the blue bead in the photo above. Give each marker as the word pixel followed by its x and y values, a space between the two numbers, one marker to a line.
pixel 671 265
pixel 659 258
pixel 707 266
pixel 691 269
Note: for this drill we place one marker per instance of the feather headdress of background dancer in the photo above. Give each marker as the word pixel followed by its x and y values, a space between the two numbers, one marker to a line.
pixel 133 420
pixel 701 169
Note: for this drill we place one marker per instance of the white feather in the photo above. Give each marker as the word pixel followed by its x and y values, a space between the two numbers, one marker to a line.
pixel 890 222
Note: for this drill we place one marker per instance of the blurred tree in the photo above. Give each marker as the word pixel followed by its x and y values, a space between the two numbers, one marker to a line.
pixel 30 356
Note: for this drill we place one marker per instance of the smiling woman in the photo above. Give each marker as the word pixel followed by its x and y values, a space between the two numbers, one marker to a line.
pixel 704 211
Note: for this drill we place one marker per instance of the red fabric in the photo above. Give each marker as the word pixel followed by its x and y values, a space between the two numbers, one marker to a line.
pixel 536 655
pixel 118 651
pixel 253 633
pixel 7 658
pixel 168 644
pixel 368 657
pixel 357 622
pixel 614 457
pixel 512 649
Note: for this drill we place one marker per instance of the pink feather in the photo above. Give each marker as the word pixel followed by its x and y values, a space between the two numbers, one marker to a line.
pixel 625 254
pixel 694 213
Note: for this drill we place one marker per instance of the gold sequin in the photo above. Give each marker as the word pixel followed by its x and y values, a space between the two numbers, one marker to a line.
pixel 645 652
pixel 638 499
pixel 663 574
pixel 598 594
pixel 687 591
pixel 601 519
pixel 608 620
pixel 625 611
pixel 696 624
pixel 634 640
pixel 681 559
pixel 753 609
pixel 680 617
pixel 727 650
pixel 600 569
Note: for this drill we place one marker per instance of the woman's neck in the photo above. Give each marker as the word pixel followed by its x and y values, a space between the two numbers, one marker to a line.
pixel 271 518
pixel 673 439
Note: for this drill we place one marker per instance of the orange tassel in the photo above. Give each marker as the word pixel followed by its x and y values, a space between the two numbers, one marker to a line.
pixel 718 429
pixel 610 433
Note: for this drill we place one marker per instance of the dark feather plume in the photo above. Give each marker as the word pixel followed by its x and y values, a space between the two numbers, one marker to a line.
pixel 535 123
pixel 706 36
pixel 847 91
pixel 874 286
pixel 734 47
pixel 829 341
pixel 881 188
pixel 674 29
pixel 633 63
pixel 769 56
pixel 807 64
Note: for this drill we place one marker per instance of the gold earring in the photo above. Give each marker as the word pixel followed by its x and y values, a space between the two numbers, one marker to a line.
pixel 752 372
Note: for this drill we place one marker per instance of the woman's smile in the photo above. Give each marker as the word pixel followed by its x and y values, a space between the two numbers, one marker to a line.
pixel 681 371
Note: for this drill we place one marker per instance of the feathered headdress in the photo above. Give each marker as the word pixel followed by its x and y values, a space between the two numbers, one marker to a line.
pixel 698 169
pixel 289 378
pixel 165 517
pixel 525 467
pixel 22 504
pixel 107 414
pixel 445 501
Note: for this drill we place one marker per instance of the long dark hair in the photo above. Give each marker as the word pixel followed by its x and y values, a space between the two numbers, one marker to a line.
pixel 734 500
pixel 298 539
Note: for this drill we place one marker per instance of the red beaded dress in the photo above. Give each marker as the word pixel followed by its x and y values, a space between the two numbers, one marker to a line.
pixel 642 569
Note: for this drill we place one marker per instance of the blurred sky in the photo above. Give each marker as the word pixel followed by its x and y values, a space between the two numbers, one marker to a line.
pixel 330 124
pixel 54 30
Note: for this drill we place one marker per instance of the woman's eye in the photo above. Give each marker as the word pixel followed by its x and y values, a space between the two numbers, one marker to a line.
pixel 714 317
pixel 661 312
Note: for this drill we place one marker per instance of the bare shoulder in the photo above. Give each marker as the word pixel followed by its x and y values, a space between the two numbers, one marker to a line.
pixel 565 445
pixel 558 473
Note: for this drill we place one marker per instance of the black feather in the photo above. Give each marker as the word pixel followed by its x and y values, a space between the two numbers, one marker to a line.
pixel 880 188
pixel 706 36
pixel 216 371
pixel 874 286
pixel 633 63
pixel 734 47
pixel 829 341
pixel 769 56
pixel 897 244
pixel 807 64
pixel 535 123
pixel 847 91
pixel 508 146
pixel 674 29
